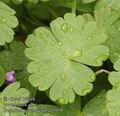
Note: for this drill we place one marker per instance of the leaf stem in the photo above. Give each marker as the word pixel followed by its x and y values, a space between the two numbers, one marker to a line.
pixel 6 46
pixel 101 71
pixel 74 7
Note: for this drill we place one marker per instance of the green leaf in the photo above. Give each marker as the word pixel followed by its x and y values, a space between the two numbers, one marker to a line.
pixel 7 22
pixel 58 55
pixel 97 106
pixel 113 4
pixel 113 103
pixel 107 15
pixel 52 110
pixel 2 75
pixel 14 59
pixel 11 97
pixel 114 76
pixel 14 91
pixel 44 110
pixel 13 112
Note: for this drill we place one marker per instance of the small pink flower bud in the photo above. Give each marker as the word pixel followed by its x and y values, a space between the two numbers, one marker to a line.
pixel 10 77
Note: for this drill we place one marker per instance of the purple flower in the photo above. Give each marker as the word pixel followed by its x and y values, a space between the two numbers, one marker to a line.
pixel 10 77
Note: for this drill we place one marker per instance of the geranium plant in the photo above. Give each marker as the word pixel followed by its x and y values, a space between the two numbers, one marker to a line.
pixel 59 57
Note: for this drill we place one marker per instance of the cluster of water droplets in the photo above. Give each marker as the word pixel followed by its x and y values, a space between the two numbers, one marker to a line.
pixel 67 28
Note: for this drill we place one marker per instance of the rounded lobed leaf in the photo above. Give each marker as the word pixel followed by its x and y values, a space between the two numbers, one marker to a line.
pixel 113 101
pixel 58 56
pixel 114 76
pixel 14 96
pixel 97 106
pixel 7 22
pixel 107 15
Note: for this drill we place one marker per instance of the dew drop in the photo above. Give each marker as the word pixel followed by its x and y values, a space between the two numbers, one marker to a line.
pixel 65 100
pixel 64 27
pixel 119 29
pixel 59 43
pixel 89 38
pixel 77 53
pixel 93 77
pixel 61 101
pixel 67 28
pixel 63 77
pixel 85 91
pixel 2 20
pixel 71 29
pixel 53 43
pixel 69 43
pixel 65 92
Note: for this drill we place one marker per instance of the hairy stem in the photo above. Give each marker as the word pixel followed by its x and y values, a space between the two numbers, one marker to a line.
pixel 74 7
pixel 101 71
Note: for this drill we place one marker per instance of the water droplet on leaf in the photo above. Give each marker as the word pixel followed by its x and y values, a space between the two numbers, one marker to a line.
pixel 118 29
pixel 67 28
pixel 59 43
pixel 69 43
pixel 89 38
pixel 2 20
pixel 53 43
pixel 93 77
pixel 63 77
pixel 71 29
pixel 63 100
pixel 85 91
pixel 64 27
pixel 64 92
pixel 77 53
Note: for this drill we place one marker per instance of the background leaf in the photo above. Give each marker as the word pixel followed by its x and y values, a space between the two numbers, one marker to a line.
pixel 7 22
pixel 97 106
pixel 14 96
pixel 107 15
pixel 2 75
pixel 14 59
